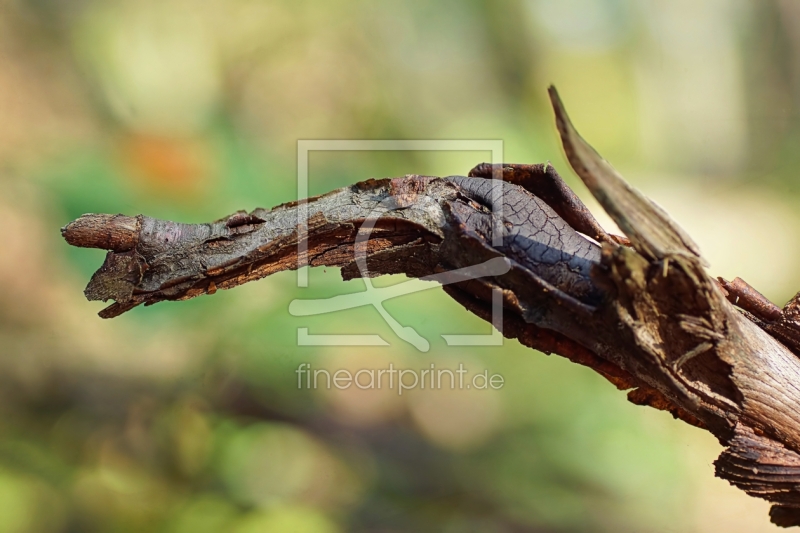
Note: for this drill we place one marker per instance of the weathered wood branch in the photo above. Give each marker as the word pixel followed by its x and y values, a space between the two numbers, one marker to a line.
pixel 642 312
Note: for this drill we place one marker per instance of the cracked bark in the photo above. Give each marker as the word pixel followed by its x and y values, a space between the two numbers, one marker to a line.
pixel 641 310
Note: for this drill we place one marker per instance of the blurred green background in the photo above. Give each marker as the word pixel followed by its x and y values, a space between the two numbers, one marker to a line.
pixel 186 417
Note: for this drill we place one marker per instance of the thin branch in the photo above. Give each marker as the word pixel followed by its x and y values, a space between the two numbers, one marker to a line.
pixel 643 313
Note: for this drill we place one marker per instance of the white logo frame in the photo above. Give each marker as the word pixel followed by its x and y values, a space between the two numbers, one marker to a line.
pixel 373 295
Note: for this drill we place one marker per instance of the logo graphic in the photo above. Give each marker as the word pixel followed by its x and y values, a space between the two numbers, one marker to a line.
pixel 375 296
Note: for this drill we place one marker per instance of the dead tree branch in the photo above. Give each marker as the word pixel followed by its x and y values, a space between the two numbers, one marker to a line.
pixel 642 312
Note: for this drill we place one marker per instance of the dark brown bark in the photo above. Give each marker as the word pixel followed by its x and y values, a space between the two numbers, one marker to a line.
pixel 641 312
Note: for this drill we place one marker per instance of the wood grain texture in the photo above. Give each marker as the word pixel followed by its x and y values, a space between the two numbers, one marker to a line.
pixel 641 311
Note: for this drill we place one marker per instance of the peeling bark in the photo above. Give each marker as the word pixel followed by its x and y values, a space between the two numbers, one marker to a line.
pixel 640 310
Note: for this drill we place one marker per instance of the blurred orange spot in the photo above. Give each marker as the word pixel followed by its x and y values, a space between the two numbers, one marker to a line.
pixel 369 400
pixel 166 163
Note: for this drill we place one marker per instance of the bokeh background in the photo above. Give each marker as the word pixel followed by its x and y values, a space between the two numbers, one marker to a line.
pixel 186 417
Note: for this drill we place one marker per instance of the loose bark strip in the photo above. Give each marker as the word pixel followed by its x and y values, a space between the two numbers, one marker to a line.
pixel 641 310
